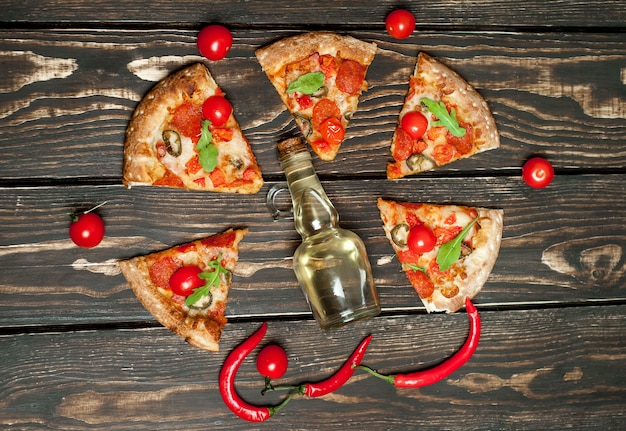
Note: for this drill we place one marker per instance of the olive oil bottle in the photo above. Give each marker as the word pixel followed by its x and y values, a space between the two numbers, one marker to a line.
pixel 331 264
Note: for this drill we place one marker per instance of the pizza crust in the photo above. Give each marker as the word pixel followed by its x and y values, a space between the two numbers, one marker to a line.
pixel 469 103
pixel 199 330
pixel 469 274
pixel 440 83
pixel 478 265
pixel 141 164
pixel 293 48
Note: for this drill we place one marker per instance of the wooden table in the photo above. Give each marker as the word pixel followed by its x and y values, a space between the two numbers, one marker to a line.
pixel 78 351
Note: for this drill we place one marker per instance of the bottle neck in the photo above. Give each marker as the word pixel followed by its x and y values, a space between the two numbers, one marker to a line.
pixel 313 211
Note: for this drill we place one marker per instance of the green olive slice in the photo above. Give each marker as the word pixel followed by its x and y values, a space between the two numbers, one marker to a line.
pixel 420 162
pixel 172 142
pixel 399 234
pixel 204 302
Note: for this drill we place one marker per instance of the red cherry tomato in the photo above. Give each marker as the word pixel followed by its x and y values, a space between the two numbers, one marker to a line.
pixel 272 361
pixel 217 109
pixel 214 42
pixel 415 124
pixel 400 23
pixel 421 239
pixel 332 131
pixel 185 280
pixel 87 229
pixel 537 172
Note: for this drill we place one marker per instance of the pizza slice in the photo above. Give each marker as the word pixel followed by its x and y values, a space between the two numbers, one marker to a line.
pixel 443 119
pixel 319 77
pixel 186 287
pixel 183 134
pixel 446 251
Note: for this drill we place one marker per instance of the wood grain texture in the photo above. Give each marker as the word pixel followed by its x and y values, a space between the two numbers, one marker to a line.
pixel 79 352
pixel 562 254
pixel 521 377
pixel 445 13
pixel 562 96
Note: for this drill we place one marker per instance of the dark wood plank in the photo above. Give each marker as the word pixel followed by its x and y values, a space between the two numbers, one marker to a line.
pixel 561 245
pixel 548 369
pixel 344 13
pixel 67 103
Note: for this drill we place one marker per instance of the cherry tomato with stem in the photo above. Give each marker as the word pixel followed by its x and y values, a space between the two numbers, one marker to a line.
pixel 217 110
pixel 185 280
pixel 214 41
pixel 272 361
pixel 87 228
pixel 332 131
pixel 400 23
pixel 415 124
pixel 537 172
pixel 421 239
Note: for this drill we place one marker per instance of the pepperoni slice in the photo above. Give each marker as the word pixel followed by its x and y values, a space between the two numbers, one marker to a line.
pixel 323 110
pixel 225 239
pixel 464 144
pixel 169 180
pixel 421 283
pixel 162 270
pixel 403 147
pixel 350 77
pixel 443 153
pixel 187 119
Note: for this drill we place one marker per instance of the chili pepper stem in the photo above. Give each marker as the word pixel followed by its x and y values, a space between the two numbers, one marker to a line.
pixel 388 379
pixel 274 409
pixel 270 387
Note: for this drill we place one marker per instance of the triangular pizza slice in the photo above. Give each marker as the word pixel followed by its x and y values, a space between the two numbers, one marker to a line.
pixel 319 76
pixel 446 251
pixel 183 134
pixel 186 287
pixel 443 119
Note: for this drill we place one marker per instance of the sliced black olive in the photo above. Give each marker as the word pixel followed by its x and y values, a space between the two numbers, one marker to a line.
pixel 465 249
pixel 237 163
pixel 321 92
pixel 419 161
pixel 305 125
pixel 172 142
pixel 399 234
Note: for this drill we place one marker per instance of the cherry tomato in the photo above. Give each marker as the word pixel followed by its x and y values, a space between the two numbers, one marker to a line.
pixel 537 172
pixel 400 23
pixel 217 109
pixel 415 124
pixel 272 361
pixel 421 239
pixel 332 131
pixel 87 229
pixel 214 42
pixel 185 280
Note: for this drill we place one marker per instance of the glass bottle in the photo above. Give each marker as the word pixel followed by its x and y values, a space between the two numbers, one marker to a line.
pixel 331 264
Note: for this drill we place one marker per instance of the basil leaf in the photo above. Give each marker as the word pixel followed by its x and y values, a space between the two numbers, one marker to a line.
pixel 212 278
pixel 445 118
pixel 207 152
pixel 415 267
pixel 308 83
pixel 451 251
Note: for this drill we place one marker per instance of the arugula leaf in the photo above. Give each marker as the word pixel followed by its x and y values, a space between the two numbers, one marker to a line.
pixel 212 279
pixel 308 83
pixel 415 267
pixel 445 118
pixel 451 250
pixel 207 152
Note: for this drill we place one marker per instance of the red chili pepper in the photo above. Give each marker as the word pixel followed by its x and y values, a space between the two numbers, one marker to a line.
pixel 227 382
pixel 334 382
pixel 443 370
pixel 338 379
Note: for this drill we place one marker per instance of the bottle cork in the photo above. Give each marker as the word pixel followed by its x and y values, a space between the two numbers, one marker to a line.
pixel 290 146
